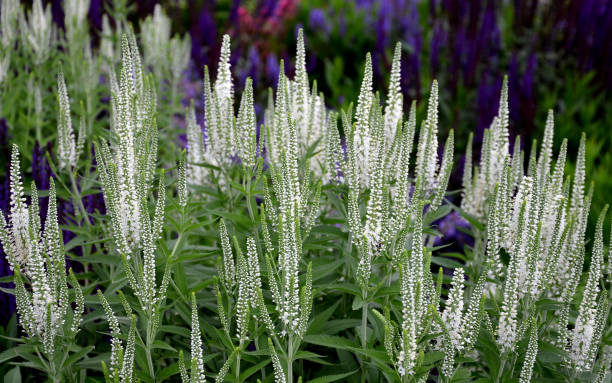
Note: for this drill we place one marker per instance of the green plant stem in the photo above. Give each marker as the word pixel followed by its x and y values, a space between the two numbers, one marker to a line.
pixel 501 369
pixel 290 359
pixel 238 363
pixel 364 318
pixel 79 200
pixel 149 347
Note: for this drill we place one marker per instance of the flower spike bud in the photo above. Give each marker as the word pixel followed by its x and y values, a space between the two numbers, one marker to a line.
pixel 467 173
pixel 243 298
pixel 503 110
pixel 80 304
pixel 530 356
pixel 305 302
pixel 544 159
pixel 517 163
pixel 247 126
pixel 65 134
pixel 279 373
pixel 197 363
pixel 195 148
pixel 393 109
pixel 228 278
pixel 179 51
pixel 127 366
pixel 182 368
pixel 116 346
pixel 302 96
pixel 453 313
pixel 182 182
pixel 445 171
pixel 82 133
pixel 254 277
pixel 577 198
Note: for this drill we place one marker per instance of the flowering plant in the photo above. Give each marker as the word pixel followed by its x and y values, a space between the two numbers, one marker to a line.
pixel 302 248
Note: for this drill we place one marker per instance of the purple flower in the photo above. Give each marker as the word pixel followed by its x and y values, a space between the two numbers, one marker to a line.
pixel 451 228
pixel 272 68
pixel 318 21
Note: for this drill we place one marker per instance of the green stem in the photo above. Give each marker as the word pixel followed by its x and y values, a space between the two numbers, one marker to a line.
pixel 364 318
pixel 290 359
pixel 77 196
pixel 149 347
pixel 238 364
pixel 501 369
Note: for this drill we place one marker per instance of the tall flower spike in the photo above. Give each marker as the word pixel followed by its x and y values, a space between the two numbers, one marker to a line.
pixel 38 31
pixel 65 134
pixel 11 12
pixel 302 96
pixel 155 38
pixel 376 213
pixel 586 322
pixel 75 15
pixel 224 100
pixel 224 87
pixel 427 154
pixel 127 168
pixel 180 54
pixel 361 134
pixel 197 361
pixel 19 217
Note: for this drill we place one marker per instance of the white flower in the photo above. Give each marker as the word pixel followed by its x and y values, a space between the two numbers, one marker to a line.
pixel 74 18
pixel 197 364
pixel 65 134
pixel 38 31
pixel 10 15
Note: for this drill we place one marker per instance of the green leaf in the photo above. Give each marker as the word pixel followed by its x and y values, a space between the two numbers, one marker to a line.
pixel 13 376
pixel 77 356
pixel 251 370
pixel 330 341
pixel 311 356
pixel 332 378
pixel 163 345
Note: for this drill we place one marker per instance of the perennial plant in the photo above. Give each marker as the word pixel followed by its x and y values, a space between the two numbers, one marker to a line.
pixel 294 245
